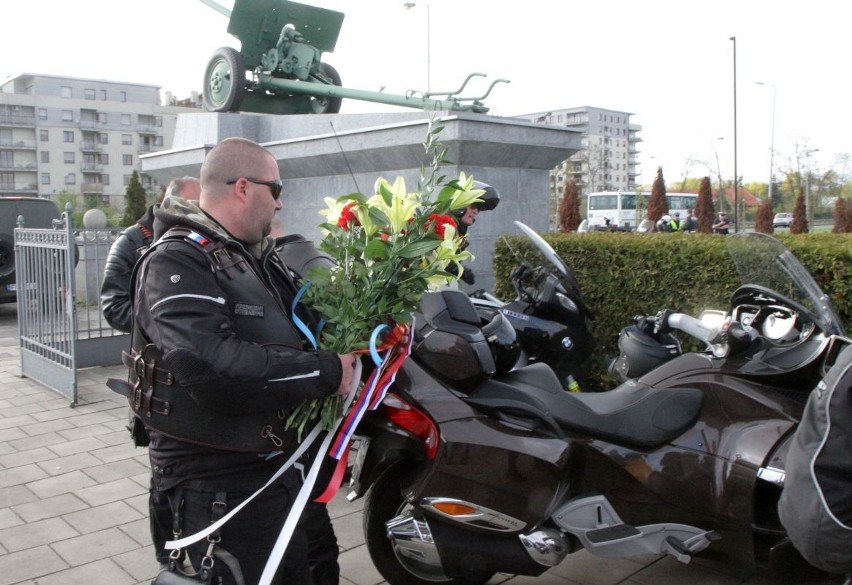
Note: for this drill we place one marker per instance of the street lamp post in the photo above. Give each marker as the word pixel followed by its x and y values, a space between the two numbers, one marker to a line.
pixel 412 6
pixel 772 143
pixel 808 213
pixel 719 174
pixel 736 190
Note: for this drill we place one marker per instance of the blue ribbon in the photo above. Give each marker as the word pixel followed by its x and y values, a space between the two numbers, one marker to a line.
pixel 377 359
pixel 298 322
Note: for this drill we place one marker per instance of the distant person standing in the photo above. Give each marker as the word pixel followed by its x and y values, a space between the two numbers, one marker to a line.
pixel 690 223
pixel 722 224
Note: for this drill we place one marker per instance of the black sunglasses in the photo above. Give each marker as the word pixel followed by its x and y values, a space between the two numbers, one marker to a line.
pixel 274 186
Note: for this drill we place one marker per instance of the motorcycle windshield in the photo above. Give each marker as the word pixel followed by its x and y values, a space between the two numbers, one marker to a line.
pixel 763 260
pixel 551 256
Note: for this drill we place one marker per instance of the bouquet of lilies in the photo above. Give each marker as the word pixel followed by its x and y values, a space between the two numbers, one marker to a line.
pixel 390 248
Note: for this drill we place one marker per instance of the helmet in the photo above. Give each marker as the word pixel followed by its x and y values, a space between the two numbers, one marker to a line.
pixel 640 352
pixel 490 199
pixel 503 342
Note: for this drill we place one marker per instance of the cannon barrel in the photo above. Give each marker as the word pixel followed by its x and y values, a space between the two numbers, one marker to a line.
pixel 292 86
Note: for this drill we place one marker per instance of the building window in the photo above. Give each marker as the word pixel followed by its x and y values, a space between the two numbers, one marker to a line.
pixel 125 119
pixel 103 95
pixel 158 140
pixel 127 139
pixel 67 136
pixel 102 118
pixel 103 138
pixel 122 96
pixel 65 91
pixel 67 115
pixel 158 121
pixel 42 113
pixel 104 158
pixel 104 179
pixel 127 180
pixel 45 178
pixel 68 157
pixel 89 94
pixel 70 179
pixel 127 160
pixel 43 136
pixel 45 156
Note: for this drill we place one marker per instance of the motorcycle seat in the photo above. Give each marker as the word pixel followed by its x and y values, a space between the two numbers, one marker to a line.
pixel 631 414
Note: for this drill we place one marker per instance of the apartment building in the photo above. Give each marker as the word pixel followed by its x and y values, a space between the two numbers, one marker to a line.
pixel 80 136
pixel 607 161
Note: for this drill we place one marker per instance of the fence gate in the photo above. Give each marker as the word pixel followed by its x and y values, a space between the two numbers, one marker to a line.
pixel 59 273
pixel 44 275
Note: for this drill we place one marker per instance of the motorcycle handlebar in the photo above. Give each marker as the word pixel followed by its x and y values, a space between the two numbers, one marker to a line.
pixel 691 326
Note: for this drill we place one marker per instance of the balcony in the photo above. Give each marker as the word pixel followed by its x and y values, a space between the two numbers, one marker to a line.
pixel 90 167
pixel 17 166
pixel 19 188
pixel 17 121
pixel 18 144
pixel 89 146
pixel 146 129
pixel 92 188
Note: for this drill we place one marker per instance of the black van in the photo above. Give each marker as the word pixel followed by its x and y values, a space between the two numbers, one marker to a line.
pixel 37 213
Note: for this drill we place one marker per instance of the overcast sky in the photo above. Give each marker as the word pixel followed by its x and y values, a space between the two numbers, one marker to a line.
pixel 671 64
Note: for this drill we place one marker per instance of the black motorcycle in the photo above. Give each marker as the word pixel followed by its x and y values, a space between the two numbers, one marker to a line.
pixel 472 470
pixel 548 314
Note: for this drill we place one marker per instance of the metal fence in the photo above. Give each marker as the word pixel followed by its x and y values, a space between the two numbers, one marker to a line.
pixel 60 320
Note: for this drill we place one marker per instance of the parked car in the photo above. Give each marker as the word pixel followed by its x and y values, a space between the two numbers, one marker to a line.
pixel 782 220
pixel 37 213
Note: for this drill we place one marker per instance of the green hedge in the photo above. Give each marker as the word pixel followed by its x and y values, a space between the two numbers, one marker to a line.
pixel 627 274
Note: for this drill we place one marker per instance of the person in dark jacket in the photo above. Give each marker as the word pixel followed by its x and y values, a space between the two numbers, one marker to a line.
pixel 117 310
pixel 217 361
pixel 126 250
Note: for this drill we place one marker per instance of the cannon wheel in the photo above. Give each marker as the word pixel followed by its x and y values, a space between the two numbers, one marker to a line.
pixel 327 105
pixel 224 81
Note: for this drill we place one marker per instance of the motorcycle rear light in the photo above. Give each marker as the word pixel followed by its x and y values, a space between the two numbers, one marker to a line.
pixel 406 417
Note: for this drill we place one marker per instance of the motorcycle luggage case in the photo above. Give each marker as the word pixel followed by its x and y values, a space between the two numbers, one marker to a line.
pixel 449 341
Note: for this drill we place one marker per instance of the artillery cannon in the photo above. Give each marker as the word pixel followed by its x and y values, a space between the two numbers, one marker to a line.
pixel 279 69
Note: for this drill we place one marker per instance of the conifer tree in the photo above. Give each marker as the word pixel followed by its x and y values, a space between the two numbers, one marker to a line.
pixel 763 219
pixel 704 210
pixel 569 208
pixel 800 215
pixel 134 198
pixel 658 205
pixel 842 216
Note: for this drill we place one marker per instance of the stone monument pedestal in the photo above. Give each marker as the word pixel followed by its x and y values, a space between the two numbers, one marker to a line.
pixel 328 155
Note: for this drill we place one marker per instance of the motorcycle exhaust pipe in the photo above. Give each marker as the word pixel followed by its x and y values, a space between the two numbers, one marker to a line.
pixel 451 551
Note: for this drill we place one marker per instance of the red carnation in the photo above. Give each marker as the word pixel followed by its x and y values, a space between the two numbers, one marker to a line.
pixel 347 216
pixel 440 222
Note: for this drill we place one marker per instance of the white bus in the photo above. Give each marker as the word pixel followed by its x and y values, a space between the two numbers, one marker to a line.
pixel 618 209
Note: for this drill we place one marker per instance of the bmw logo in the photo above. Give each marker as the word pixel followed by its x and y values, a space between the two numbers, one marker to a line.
pixel 567 343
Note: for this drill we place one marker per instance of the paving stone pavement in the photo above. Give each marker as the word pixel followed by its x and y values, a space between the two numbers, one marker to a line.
pixel 73 498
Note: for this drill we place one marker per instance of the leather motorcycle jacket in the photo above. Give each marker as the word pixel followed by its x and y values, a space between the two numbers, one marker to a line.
pixel 123 254
pixel 217 361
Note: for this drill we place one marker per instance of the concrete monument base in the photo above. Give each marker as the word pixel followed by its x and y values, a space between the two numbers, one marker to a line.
pixel 329 155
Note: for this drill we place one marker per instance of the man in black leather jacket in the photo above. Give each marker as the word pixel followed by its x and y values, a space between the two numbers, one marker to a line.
pixel 219 361
pixel 117 309
pixel 126 250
